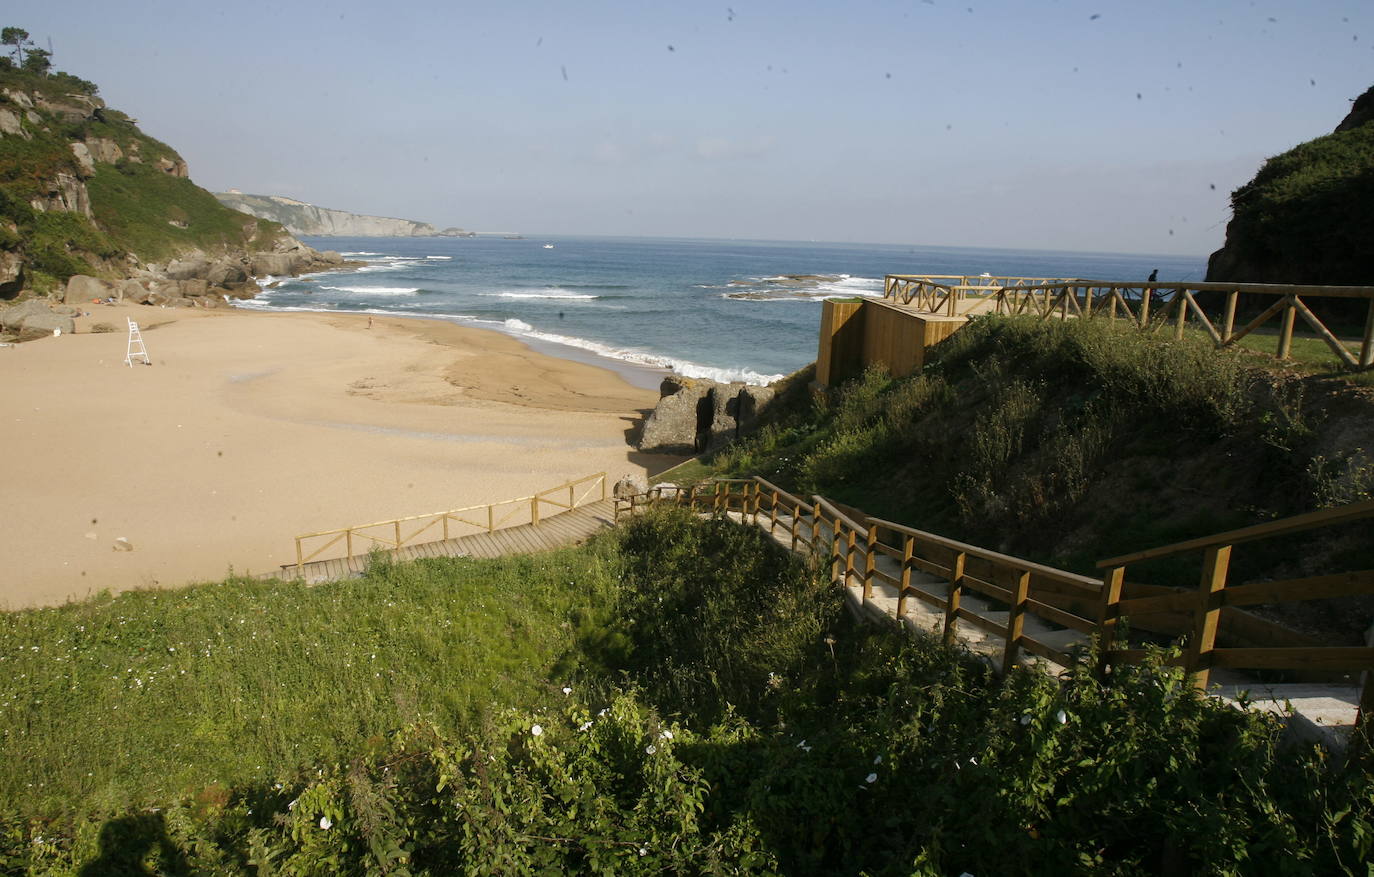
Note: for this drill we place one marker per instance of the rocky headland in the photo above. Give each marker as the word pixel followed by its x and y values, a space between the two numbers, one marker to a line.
pixel 92 209
pixel 299 217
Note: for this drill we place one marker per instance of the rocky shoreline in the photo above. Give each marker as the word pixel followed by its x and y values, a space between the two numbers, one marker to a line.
pixel 192 281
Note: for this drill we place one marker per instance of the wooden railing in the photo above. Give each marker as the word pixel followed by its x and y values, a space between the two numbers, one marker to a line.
pixel 949 294
pixel 1214 593
pixel 1150 306
pixel 854 542
pixel 434 526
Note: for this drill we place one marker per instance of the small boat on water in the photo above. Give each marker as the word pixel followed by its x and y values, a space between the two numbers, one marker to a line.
pixel 548 246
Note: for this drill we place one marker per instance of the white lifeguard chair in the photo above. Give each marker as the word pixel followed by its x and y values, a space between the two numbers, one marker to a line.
pixel 136 348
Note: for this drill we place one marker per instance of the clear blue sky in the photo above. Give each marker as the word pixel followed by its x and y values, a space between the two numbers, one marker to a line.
pixel 1039 124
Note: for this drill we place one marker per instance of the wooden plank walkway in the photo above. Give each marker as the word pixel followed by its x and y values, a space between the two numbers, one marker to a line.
pixel 1323 713
pixel 554 531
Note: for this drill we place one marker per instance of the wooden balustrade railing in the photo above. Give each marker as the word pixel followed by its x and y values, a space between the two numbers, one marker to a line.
pixel 949 294
pixel 1151 306
pixel 1147 306
pixel 397 532
pixel 854 543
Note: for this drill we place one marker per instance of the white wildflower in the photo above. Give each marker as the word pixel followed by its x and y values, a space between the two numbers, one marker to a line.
pixel 1025 719
pixel 973 761
pixel 877 759
pixel 584 726
pixel 665 735
pixel 292 805
pixel 567 690
pixel 643 851
pixel 871 778
pixel 536 730
pixel 1061 717
pixel 651 749
pixel 326 823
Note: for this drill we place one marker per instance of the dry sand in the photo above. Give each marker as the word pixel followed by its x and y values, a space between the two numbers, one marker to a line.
pixel 250 428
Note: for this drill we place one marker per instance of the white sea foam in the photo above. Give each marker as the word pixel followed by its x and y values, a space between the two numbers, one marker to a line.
pixel 552 293
pixel 683 367
pixel 439 258
pixel 360 253
pixel 375 290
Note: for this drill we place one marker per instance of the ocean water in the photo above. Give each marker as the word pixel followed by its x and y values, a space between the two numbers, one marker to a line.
pixel 726 310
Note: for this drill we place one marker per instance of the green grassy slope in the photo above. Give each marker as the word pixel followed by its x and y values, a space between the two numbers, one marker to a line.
pixel 723 714
pixel 139 209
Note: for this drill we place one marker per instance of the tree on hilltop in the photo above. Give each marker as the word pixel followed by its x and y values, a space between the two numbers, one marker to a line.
pixel 39 61
pixel 18 38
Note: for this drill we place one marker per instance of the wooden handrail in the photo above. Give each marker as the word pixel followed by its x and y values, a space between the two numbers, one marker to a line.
pixel 1296 524
pixel 399 539
pixel 1040 569
pixel 1203 604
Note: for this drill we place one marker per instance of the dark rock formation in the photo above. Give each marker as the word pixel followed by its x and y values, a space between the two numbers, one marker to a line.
pixel 1308 215
pixel 696 416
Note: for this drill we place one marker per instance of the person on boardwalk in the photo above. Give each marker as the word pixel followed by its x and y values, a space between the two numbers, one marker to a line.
pixel 1154 275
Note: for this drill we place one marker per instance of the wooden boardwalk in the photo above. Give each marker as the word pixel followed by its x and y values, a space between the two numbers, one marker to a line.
pixel 552 531
pixel 875 581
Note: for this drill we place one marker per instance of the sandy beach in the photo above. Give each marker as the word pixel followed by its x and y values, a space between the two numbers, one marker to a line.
pixel 250 428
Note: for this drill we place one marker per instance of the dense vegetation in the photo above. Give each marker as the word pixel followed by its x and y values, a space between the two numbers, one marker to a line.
pixel 1306 217
pixel 712 708
pixel 1070 442
pixel 139 208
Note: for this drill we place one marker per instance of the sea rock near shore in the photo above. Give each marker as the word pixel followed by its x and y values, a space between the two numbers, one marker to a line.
pixel 696 416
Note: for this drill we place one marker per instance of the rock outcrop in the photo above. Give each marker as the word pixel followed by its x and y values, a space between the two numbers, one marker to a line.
pixel 1308 215
pixel 695 416
pixel 301 218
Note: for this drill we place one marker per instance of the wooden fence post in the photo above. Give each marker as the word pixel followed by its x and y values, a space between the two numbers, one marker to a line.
pixel 870 561
pixel 1145 308
pixel 1107 615
pixel 1228 320
pixel 1182 316
pixel 398 534
pixel 1016 620
pixel 835 566
pixel 299 562
pixel 956 590
pixel 796 522
pixel 908 551
pixel 815 522
pixel 1290 313
pixel 491 518
pixel 348 543
pixel 534 510
pixel 1198 659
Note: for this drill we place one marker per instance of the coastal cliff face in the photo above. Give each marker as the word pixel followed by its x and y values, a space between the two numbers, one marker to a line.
pixel 1308 215
pixel 298 217
pixel 91 207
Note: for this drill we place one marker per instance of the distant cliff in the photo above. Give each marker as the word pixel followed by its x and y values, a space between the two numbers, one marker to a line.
pixel 302 218
pixel 1308 215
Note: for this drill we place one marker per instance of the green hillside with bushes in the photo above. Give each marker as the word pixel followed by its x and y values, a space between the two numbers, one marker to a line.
pixel 84 191
pixel 679 696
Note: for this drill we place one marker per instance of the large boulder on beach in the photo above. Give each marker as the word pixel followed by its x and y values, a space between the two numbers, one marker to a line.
pixel 187 269
pixel 13 317
pixel 131 291
pixel 224 273
pixel 39 325
pixel 696 416
pixel 81 288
